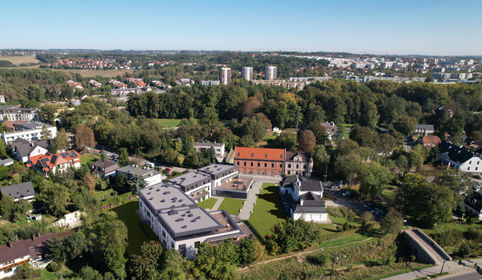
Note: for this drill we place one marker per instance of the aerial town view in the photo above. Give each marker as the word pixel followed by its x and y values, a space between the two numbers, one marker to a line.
pixel 244 140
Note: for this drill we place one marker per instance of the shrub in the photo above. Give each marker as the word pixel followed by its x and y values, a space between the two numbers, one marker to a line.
pixel 54 267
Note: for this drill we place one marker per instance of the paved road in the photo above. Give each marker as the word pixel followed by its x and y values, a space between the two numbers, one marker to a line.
pixel 466 276
pixel 451 267
pixel 342 201
pixel 250 200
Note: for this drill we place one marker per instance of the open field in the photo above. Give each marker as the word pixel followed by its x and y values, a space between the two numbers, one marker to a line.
pixel 137 231
pixel 208 203
pixel 231 205
pixel 17 60
pixel 87 73
pixel 169 123
pixel 268 210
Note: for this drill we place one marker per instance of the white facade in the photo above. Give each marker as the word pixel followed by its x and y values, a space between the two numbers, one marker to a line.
pixel 270 73
pixel 473 165
pixel 18 114
pixel 154 179
pixel 200 193
pixel 311 217
pixel 218 147
pixel 29 135
pixel 8 269
pixel 247 73
pixel 225 75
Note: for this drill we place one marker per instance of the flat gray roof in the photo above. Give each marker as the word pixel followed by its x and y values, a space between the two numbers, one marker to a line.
pixel 184 221
pixel 164 196
pixel 218 169
pixel 138 171
pixel 191 178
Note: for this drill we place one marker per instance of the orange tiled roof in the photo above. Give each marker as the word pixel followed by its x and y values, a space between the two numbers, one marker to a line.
pixel 431 139
pixel 48 161
pixel 259 153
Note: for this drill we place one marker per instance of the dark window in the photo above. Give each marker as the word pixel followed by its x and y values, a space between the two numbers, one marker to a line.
pixel 251 163
pixel 259 164
pixel 272 165
pixel 265 164
pixel 244 163
pixel 252 154
pixel 265 155
pixel 239 154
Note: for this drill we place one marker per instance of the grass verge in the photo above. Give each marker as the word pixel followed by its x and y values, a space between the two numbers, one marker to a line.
pixel 267 211
pixel 231 205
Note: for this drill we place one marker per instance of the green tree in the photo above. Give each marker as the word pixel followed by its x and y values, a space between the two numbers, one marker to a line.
pixel 45 133
pixel 123 157
pixel 88 273
pixel 320 161
pixel 286 140
pixel 148 264
pixel 374 179
pixel 392 222
pixel 319 131
pixel 47 113
pixel 405 124
pixel 136 183
pixel 54 197
pixel 209 118
pixel 3 152
pixel 61 142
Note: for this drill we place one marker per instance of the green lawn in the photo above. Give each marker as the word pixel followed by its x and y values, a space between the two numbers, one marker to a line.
pixel 346 130
pixel 88 159
pixel 344 240
pixel 231 205
pixel 208 203
pixel 169 123
pixel 3 172
pixel 268 210
pixel 138 232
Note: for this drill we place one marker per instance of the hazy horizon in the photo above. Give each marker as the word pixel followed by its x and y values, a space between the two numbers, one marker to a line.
pixel 432 28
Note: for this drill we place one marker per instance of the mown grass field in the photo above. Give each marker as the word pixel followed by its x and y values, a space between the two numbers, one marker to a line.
pixel 169 123
pixel 231 205
pixel 208 203
pixel 20 59
pixel 267 211
pixel 88 159
pixel 138 232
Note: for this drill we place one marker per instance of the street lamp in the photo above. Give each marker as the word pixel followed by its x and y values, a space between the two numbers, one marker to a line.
pixel 443 264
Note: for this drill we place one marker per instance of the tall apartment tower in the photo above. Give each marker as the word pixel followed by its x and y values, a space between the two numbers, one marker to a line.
pixel 225 75
pixel 270 73
pixel 247 73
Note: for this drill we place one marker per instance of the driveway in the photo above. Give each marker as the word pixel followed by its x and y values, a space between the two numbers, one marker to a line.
pixel 341 201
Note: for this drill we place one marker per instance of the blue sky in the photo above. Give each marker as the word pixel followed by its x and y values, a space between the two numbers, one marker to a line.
pixel 358 26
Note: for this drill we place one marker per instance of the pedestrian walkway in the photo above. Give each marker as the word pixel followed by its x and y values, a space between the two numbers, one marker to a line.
pixel 250 201
pixel 219 200
pixel 451 267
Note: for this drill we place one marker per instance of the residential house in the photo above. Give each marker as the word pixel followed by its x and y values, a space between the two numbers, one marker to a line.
pixel 55 162
pixel 15 113
pixel 260 161
pixel 180 224
pixel 151 176
pixel 31 251
pixel 29 131
pixel 424 129
pixel 104 168
pixel 303 199
pixel 331 129
pixel 22 149
pixel 460 158
pixel 75 85
pixel 204 146
pixel 298 163
pixel 473 205
pixel 2 98
pixel 6 162
pixel 430 140
pixel 22 191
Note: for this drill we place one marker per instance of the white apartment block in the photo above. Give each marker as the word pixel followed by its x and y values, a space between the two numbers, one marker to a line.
pixel 29 132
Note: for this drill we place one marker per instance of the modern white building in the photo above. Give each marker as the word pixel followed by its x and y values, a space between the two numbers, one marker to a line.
pixel 460 158
pixel 225 75
pixel 179 223
pixel 204 146
pixel 14 113
pixel 194 184
pixel 247 73
pixel 151 176
pixel 29 131
pixel 270 73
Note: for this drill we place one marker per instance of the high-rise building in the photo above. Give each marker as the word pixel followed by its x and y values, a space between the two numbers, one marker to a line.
pixel 225 75
pixel 270 73
pixel 247 73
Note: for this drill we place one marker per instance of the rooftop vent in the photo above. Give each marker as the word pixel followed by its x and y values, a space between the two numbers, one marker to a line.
pixel 163 200
pixel 184 226
pixel 179 219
